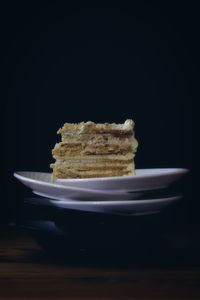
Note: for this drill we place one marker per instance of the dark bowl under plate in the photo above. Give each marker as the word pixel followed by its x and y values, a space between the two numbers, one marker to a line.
pixel 65 232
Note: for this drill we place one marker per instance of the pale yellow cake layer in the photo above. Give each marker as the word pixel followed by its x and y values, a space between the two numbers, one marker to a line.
pixel 92 138
pixel 98 158
pixel 65 164
pixel 87 169
pixel 60 173
pixel 91 127
pixel 65 149
pixel 72 174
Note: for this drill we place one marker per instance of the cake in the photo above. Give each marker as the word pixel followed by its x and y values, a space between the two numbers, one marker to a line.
pixel 90 150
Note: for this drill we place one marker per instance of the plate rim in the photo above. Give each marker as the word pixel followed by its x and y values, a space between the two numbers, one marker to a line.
pixel 24 177
pixel 119 202
pixel 171 172
pixel 72 188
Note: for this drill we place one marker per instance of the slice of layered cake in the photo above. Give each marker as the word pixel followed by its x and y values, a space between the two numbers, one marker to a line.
pixel 94 150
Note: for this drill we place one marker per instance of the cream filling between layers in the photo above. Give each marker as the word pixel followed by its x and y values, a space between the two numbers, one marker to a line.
pixel 96 158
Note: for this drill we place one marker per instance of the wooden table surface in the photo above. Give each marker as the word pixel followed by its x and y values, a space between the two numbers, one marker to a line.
pixel 26 271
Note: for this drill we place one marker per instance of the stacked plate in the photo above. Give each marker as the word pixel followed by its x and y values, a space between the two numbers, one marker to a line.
pixel 148 192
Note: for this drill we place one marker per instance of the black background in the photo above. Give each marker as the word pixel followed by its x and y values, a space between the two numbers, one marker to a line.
pixel 70 63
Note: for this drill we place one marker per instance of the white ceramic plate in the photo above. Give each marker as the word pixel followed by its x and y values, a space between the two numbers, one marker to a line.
pixel 42 185
pixel 104 188
pixel 134 207
pixel 144 179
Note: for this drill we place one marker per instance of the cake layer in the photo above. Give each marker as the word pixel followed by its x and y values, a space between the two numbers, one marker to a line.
pixel 74 174
pixel 64 172
pixel 92 138
pixel 64 149
pixel 97 158
pixel 87 165
pixel 81 167
pixel 91 127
